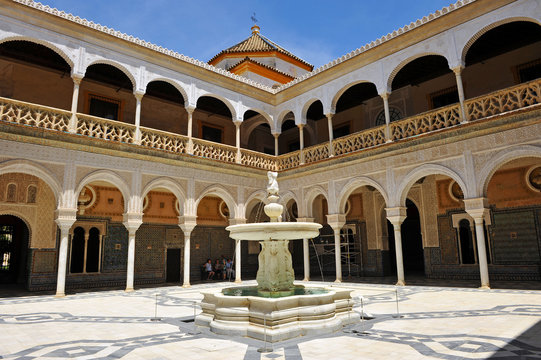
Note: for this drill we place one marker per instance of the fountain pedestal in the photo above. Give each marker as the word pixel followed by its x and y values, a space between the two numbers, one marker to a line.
pixel 273 307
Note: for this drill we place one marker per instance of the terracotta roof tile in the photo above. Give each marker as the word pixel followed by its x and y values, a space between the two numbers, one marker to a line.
pixel 248 59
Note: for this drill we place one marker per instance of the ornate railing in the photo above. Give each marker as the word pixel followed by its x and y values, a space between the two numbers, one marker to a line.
pixel 214 151
pixel 162 140
pixel 43 117
pixel 288 161
pixel 99 128
pixel 316 153
pixel 426 122
pixel 504 100
pixel 359 141
pixel 51 119
pixel 257 160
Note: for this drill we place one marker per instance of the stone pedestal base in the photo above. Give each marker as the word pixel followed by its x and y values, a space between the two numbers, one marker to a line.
pixel 284 318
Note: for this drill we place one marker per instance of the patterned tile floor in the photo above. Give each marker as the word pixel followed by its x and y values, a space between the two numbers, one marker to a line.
pixel 430 322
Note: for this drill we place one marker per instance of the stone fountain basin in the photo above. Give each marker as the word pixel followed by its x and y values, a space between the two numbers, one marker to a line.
pixel 274 231
pixel 284 318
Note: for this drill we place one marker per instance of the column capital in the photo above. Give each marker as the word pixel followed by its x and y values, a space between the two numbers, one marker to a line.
pixel 77 78
pixel 336 221
pixel 301 125
pixel 329 115
pixel 190 109
pixel 385 95
pixel 276 134
pixel 237 122
pixel 132 221
pixel 396 215
pixel 477 208
pixel 187 223
pixel 458 69
pixel 65 217
pixel 138 95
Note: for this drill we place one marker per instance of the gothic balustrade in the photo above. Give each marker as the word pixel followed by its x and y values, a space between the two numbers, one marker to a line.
pixel 513 98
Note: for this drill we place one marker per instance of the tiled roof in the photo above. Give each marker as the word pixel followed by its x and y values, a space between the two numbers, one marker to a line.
pixel 258 43
pixel 247 59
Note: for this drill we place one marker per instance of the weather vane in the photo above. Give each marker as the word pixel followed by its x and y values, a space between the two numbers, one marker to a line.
pixel 254 19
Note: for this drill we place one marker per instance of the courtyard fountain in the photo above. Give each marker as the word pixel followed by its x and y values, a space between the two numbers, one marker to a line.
pixel 276 308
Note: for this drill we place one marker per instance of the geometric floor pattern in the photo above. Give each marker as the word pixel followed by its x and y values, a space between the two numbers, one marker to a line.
pixel 411 322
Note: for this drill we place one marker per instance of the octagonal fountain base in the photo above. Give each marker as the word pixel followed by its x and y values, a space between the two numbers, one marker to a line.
pixel 281 318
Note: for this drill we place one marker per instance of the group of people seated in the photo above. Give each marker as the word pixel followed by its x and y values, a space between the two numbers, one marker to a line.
pixel 222 269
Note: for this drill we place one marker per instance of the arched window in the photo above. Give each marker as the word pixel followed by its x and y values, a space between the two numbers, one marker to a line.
pixel 31 193
pixel 394 115
pixel 465 241
pixel 11 193
pixel 77 251
pixel 93 251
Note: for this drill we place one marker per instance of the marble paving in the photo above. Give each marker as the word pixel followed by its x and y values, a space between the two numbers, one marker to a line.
pixel 157 323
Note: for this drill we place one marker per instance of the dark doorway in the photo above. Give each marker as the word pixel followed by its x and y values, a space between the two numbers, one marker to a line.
pixel 173 265
pixel 412 241
pixel 13 250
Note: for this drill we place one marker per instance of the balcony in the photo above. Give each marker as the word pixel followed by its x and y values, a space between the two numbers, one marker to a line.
pixel 18 113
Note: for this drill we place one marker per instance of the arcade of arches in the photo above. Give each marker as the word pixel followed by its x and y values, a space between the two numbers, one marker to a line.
pixel 159 220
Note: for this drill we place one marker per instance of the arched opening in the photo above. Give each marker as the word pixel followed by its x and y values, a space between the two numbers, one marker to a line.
pixel 466 242
pixel 209 239
pixel 423 84
pixel 389 259
pixel 322 261
pixel 162 108
pixel 77 257
pixel 31 70
pixel 412 241
pixel 506 55
pixel 356 110
pixel 315 117
pixel 213 121
pixel 289 135
pixel 512 231
pixel 14 239
pixel 160 235
pixel 107 92
pixel 259 137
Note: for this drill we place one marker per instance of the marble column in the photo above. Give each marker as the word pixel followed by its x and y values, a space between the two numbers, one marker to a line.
pixel 331 135
pixel 396 216
pixel 72 127
pixel 138 98
pixel 237 141
pixel 385 97
pixel 336 222
pixel 276 149
pixel 64 219
pixel 190 111
pixel 301 143
pixel 478 209
pixel 187 226
pixel 132 222
pixel 460 87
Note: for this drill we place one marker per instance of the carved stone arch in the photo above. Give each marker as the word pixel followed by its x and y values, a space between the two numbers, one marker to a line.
pixel 304 112
pixel 222 99
pixel 311 196
pixel 354 184
pixel 173 83
pixel 403 63
pixel 399 198
pixel 265 119
pixel 22 217
pixel 343 89
pixel 487 28
pixel 34 169
pixel 116 65
pixel 281 117
pixel 287 197
pixel 110 177
pixel 250 203
pixel 169 184
pixel 501 158
pixel 222 193
pixel 57 50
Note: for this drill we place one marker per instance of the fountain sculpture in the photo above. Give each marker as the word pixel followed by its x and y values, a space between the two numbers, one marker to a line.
pixel 276 306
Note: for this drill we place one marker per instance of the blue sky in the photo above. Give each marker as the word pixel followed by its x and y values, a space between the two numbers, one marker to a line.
pixel 316 31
